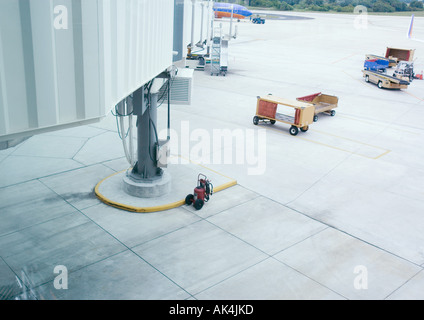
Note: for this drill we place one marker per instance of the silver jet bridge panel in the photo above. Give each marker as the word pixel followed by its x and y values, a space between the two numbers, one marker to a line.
pixel 68 62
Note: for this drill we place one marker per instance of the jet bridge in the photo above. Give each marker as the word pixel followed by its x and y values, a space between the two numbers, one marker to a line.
pixel 69 63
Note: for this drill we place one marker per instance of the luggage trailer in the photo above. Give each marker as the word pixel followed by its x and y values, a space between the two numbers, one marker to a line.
pixel 323 103
pixel 300 119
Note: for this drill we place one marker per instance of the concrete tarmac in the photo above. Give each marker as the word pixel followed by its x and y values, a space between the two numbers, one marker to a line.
pixel 332 213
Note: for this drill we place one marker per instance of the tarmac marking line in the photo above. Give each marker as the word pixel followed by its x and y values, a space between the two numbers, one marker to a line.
pixel 386 151
pixel 347 57
pixel 201 165
pixel 412 95
pixel 362 82
pixel 380 124
pixel 164 207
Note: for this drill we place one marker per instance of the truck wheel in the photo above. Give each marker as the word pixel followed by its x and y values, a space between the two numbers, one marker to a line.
pixel 304 129
pixel 272 121
pixel 332 113
pixel 380 84
pixel 198 204
pixel 189 199
pixel 315 118
pixel 294 130
pixel 367 78
pixel 255 120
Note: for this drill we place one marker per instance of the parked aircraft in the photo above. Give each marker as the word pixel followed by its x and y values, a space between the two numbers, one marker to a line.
pixel 224 10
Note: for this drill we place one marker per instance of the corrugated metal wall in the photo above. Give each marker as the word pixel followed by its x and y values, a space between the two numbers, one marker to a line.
pixel 65 62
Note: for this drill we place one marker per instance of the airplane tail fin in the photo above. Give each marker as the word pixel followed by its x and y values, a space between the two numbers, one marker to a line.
pixel 409 35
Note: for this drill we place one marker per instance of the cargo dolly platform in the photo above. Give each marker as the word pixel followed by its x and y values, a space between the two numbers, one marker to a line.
pixel 323 103
pixel 266 110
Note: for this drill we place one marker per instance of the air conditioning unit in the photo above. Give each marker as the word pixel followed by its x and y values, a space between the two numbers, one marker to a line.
pixel 181 87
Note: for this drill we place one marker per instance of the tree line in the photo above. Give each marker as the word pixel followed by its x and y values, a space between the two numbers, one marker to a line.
pixel 340 5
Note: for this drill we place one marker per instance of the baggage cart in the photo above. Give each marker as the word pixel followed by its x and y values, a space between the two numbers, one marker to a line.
pixel 298 114
pixel 323 103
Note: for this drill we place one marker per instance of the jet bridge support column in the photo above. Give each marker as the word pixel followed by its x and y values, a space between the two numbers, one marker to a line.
pixel 147 179
pixel 145 167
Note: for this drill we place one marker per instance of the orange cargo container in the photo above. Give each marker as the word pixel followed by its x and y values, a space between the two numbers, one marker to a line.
pixel 397 54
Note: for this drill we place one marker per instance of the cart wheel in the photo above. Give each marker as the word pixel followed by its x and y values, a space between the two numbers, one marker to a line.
pixel 332 113
pixel 272 121
pixel 304 129
pixel 380 84
pixel 189 199
pixel 367 78
pixel 315 118
pixel 255 120
pixel 198 204
pixel 294 130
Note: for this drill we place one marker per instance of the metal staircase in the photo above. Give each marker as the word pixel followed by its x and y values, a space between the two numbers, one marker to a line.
pixel 216 51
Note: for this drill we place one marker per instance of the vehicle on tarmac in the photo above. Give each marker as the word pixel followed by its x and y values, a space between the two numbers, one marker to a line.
pixel 258 20
pixel 384 80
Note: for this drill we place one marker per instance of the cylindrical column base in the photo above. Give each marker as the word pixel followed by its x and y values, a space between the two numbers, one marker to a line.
pixel 148 189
